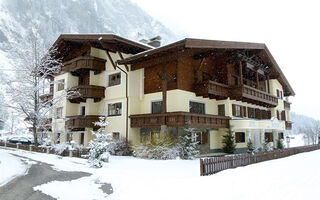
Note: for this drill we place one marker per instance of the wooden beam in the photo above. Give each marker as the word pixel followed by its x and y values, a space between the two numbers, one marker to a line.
pixel 126 66
pixel 257 79
pixel 268 84
pixel 111 60
pixel 241 74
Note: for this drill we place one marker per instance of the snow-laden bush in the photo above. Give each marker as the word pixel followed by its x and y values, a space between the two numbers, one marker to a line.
pixel 167 148
pixel 118 147
pixel 60 148
pixel 98 153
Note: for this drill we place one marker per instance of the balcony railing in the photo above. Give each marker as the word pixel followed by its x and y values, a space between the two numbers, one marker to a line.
pixel 80 122
pixel 85 92
pixel 46 97
pixel 84 62
pixel 288 125
pixel 286 105
pixel 244 93
pixel 179 119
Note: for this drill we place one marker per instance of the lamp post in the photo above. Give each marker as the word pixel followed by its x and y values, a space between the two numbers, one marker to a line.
pixel 288 141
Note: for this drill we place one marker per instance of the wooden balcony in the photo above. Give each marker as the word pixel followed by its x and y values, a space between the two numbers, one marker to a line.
pixel 244 93
pixel 85 92
pixel 252 95
pixel 286 105
pixel 212 90
pixel 288 125
pixel 179 119
pixel 46 97
pixel 84 62
pixel 80 122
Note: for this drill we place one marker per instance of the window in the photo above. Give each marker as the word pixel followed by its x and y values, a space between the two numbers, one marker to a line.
pixel 268 137
pixel 60 85
pixel 59 112
pixel 279 94
pixel 155 136
pixel 114 109
pixel 81 138
pixel 240 137
pixel 115 135
pixel 69 137
pixel 200 137
pixel 221 110
pixel 156 107
pixel 114 79
pixel 196 107
pixel 258 113
pixel 83 110
pixel 280 136
pixel 251 113
pixel 239 111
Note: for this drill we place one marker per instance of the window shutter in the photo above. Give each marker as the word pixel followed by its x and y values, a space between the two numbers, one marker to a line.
pixel 244 111
pixel 205 137
pixel 283 115
pixel 278 117
pixel 278 93
pixel 241 111
pixel 257 113
pixel 233 110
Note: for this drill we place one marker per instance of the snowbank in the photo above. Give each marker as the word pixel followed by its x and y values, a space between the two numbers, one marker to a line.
pixel 10 167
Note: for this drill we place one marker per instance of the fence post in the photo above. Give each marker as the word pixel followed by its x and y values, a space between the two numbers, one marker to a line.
pixel 5 143
pixel 201 167
pixel 30 147
pixel 17 145
pixel 70 153
pixel 48 150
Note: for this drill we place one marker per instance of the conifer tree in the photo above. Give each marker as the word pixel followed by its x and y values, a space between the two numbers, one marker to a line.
pixel 229 143
pixel 279 144
pixel 250 146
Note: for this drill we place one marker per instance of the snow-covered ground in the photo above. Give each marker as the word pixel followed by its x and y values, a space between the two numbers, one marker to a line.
pixel 295 177
pixel 10 167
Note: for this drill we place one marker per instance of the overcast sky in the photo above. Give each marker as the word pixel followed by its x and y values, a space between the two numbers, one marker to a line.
pixel 290 29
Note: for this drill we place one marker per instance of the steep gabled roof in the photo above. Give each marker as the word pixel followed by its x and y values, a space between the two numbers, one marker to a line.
pixel 207 45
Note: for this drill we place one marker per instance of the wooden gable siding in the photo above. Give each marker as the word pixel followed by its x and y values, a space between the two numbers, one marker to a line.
pixel 152 81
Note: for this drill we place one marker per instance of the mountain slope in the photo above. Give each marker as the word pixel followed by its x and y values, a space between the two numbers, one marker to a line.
pixel 77 16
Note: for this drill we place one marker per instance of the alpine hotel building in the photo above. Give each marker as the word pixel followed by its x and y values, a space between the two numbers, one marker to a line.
pixel 144 92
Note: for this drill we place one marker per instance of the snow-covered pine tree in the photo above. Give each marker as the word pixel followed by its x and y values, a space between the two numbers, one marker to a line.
pixel 98 153
pixel 33 64
pixel 280 144
pixel 250 147
pixel 228 141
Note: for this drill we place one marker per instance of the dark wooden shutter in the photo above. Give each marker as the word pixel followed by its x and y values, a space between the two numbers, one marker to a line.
pixel 241 111
pixel 205 137
pixel 257 113
pixel 233 110
pixel 278 93
pixel 244 111
pixel 278 117
pixel 283 115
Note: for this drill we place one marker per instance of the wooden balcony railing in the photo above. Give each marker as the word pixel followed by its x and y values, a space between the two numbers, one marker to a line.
pixel 85 92
pixel 288 125
pixel 286 105
pixel 84 62
pixel 80 122
pixel 244 93
pixel 46 97
pixel 179 119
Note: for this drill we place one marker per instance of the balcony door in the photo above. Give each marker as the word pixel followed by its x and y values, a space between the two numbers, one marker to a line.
pixel 84 78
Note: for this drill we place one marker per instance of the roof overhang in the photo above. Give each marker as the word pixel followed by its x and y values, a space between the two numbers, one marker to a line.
pixel 196 46
pixel 108 42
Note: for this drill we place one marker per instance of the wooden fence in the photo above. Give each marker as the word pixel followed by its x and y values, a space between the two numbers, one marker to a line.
pixel 72 153
pixel 213 165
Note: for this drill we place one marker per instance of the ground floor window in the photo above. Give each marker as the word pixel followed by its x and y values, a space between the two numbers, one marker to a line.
pixel 81 138
pixel 115 135
pixel 200 137
pixel 240 137
pixel 280 136
pixel 268 137
pixel 69 137
pixel 58 138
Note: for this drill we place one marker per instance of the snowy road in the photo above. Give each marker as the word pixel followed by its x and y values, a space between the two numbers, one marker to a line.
pixel 23 185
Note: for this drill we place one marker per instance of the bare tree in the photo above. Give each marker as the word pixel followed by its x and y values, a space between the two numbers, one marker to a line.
pixel 34 65
pixel 311 131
